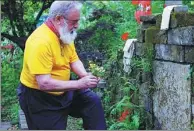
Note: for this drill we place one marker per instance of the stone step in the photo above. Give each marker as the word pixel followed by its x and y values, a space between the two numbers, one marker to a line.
pixel 22 121
pixel 5 125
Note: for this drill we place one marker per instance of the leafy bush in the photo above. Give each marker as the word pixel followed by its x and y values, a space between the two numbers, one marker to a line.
pixel 9 81
pixel 101 30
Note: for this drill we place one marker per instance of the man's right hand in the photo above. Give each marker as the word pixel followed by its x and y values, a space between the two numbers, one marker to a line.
pixel 88 81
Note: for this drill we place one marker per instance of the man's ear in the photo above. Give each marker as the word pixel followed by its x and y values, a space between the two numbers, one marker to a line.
pixel 57 19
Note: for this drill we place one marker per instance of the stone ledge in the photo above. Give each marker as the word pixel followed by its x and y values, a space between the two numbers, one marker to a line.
pixel 189 54
pixel 138 49
pixel 150 19
pixel 173 99
pixel 154 35
pixel 22 120
pixel 169 52
pixel 140 35
pixel 181 36
pixel 182 8
pixel 181 20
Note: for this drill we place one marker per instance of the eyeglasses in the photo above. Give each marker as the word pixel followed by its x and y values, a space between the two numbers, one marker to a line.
pixel 72 22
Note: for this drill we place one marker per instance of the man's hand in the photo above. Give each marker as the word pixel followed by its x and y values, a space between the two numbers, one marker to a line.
pixel 88 81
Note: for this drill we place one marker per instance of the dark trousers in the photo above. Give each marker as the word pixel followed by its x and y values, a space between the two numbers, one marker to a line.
pixel 44 111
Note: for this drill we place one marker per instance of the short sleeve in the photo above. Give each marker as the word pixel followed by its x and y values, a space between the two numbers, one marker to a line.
pixel 74 57
pixel 40 60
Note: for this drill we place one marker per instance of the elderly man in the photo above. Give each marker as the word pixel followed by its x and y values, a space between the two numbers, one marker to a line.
pixel 46 94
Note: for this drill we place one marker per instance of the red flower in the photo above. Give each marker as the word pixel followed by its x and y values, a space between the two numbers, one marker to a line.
pixel 124 115
pixel 144 9
pixel 125 36
pixel 135 2
pixel 145 2
pixel 10 46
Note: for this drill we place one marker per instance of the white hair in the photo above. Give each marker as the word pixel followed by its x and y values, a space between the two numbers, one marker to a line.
pixel 62 8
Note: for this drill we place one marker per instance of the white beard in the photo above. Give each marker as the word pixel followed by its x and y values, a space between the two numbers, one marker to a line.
pixel 66 36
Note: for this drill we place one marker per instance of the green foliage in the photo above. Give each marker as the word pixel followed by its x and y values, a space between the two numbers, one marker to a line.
pixel 9 81
pixel 132 124
pixel 31 10
pixel 192 125
pixel 122 92
pixel 188 3
pixel 144 63
pixel 158 6
pixel 111 45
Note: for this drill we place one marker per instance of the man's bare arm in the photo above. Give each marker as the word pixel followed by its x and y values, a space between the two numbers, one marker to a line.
pixel 46 83
pixel 78 68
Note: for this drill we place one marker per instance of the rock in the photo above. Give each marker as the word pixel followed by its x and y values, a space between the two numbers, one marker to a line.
pixel 138 49
pixel 172 99
pixel 146 77
pixel 148 19
pixel 181 36
pixel 192 80
pixel 181 20
pixel 183 8
pixel 5 125
pixel 155 36
pixel 144 96
pixel 169 52
pixel 146 25
pixel 158 20
pixel 173 2
pixel 189 54
pixel 140 35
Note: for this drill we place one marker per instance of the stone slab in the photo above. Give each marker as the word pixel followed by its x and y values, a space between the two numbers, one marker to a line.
pixel 148 19
pixel 181 20
pixel 146 77
pixel 173 2
pixel 192 84
pixel 138 49
pixel 169 52
pixel 192 109
pixel 189 54
pixel 140 35
pixel 5 125
pixel 181 36
pixel 155 36
pixel 172 97
pixel 183 8
pixel 145 97
pixel 22 121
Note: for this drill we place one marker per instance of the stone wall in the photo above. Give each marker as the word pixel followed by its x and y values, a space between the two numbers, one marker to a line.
pixel 166 91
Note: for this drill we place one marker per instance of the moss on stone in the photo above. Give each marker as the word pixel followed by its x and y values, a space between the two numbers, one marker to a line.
pixel 189 53
pixel 155 35
pixel 181 20
pixel 141 35
pixel 192 79
pixel 150 34
pixel 158 20
pixel 178 19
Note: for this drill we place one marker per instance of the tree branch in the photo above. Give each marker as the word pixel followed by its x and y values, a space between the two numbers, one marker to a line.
pixel 44 7
pixel 20 41
pixel 10 10
pixel 41 11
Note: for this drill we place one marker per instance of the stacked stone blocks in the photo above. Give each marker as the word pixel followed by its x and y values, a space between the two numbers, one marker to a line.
pixel 172 75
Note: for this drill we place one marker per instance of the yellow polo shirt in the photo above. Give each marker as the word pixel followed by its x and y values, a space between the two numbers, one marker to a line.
pixel 43 55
